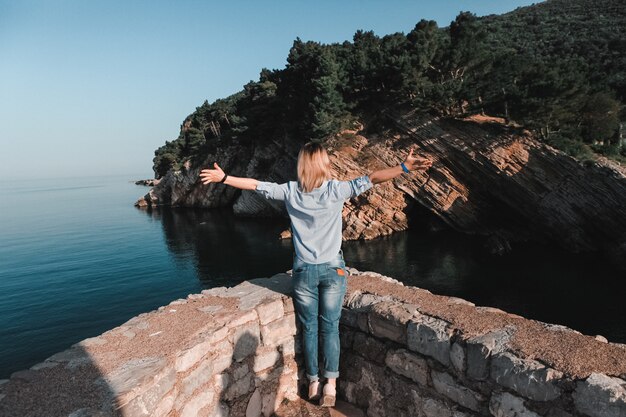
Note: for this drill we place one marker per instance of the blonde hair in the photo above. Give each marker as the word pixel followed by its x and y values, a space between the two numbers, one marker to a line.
pixel 313 166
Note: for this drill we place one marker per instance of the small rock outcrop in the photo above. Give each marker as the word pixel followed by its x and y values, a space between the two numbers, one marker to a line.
pixel 148 182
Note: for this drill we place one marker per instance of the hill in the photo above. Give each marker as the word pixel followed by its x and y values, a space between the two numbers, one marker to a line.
pixel 503 178
pixel 557 68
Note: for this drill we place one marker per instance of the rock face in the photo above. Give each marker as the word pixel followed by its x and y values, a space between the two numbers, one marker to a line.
pixel 486 179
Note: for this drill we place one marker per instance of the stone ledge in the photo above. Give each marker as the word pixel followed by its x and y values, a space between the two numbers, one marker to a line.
pixel 469 359
pixel 405 351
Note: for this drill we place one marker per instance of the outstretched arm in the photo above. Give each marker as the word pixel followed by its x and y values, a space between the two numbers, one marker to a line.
pixel 216 175
pixel 411 162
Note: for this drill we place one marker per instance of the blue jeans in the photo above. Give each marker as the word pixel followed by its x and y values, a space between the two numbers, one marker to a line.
pixel 318 291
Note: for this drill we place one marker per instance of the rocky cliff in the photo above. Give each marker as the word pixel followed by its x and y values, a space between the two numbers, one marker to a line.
pixel 487 179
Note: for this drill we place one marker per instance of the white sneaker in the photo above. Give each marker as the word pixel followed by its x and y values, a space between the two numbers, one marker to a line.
pixel 315 390
pixel 329 396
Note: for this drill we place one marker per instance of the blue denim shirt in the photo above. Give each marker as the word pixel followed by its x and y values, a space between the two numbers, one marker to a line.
pixel 316 221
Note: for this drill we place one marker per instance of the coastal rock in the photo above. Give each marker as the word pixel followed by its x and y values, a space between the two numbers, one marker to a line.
pixel 486 179
pixel 148 182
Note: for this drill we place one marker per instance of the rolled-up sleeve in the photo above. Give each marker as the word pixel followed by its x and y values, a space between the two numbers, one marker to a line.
pixel 352 188
pixel 272 190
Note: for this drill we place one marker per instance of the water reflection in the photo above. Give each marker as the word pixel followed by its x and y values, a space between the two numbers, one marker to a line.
pixel 226 249
pixel 539 282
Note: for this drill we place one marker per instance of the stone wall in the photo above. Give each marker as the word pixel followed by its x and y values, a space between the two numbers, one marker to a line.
pixel 405 352
pixel 224 352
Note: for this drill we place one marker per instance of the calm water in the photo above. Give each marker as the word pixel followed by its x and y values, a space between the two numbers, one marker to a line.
pixel 77 258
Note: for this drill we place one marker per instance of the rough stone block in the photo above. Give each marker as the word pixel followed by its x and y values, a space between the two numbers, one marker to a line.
pixel 72 358
pixel 288 306
pixel 254 404
pixel 216 335
pixel 135 377
pixel 26 375
pixel 222 356
pixel 503 404
pixel 258 297
pixel 220 410
pixel 445 384
pixel 265 357
pixel 351 366
pixel 430 336
pixel 408 364
pixel 362 322
pixel 210 309
pixel 601 395
pixel 241 317
pixel 144 403
pixel 278 330
pixel 288 346
pixel 198 377
pixel 189 357
pixel 267 375
pixel 387 319
pixel 288 386
pixel 457 357
pixel 165 406
pixel 372 378
pixel 396 390
pixel 221 382
pixel 239 370
pixel 346 337
pixel 348 317
pixel 370 347
pixel 194 405
pixel 238 388
pixel 481 348
pixel 360 301
pixel 558 412
pixel 527 377
pixel 347 390
pixel 269 404
pixel 92 341
pixel 245 340
pixel 215 292
pixel 270 311
pixel 435 408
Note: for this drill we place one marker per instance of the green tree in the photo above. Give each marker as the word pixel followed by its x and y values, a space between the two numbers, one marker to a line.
pixel 599 118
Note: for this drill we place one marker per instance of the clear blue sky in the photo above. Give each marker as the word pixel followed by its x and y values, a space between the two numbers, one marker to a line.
pixel 94 87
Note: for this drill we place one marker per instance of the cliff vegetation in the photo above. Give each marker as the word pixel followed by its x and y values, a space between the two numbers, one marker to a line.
pixel 556 68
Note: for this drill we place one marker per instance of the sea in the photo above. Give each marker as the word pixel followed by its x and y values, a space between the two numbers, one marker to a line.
pixel 77 258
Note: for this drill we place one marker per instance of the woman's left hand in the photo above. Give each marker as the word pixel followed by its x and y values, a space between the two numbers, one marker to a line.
pixel 212 175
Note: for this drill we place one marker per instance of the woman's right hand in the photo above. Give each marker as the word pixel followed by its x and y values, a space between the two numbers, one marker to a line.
pixel 212 175
pixel 417 162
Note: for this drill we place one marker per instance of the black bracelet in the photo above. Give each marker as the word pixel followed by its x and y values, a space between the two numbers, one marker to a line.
pixel 224 179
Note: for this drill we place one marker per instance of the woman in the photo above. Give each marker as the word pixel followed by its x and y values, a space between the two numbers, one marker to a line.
pixel 315 203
